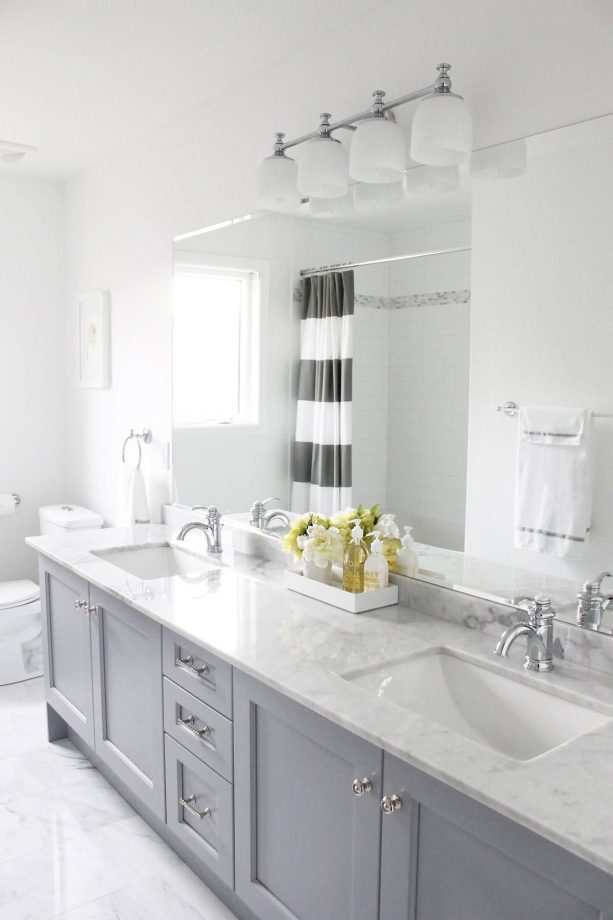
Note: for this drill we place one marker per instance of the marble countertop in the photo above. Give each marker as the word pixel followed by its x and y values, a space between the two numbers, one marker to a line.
pixel 240 610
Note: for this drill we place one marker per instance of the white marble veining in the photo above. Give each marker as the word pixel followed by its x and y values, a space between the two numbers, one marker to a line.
pixel 240 611
pixel 70 846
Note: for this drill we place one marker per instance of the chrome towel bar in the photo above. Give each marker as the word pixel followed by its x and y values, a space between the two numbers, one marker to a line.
pixel 511 409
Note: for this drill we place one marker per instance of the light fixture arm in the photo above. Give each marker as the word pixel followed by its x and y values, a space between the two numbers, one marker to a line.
pixel 441 85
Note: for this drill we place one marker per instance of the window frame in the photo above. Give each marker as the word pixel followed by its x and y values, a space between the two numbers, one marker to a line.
pixel 253 318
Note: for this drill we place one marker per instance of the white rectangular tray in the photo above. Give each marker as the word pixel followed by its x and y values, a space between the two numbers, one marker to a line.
pixel 335 595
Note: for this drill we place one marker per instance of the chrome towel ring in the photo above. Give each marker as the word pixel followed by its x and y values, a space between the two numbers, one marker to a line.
pixel 145 436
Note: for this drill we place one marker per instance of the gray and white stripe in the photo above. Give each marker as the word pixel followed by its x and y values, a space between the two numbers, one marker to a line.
pixel 321 456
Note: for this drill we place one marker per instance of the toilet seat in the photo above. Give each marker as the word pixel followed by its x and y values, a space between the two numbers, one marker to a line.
pixel 18 593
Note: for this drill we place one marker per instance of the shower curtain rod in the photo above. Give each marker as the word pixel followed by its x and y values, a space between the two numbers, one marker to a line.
pixel 323 269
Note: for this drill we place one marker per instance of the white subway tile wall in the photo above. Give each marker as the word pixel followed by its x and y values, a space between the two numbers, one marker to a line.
pixel 411 376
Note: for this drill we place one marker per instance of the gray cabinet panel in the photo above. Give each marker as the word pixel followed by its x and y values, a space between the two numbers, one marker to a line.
pixel 127 666
pixel 67 648
pixel 183 658
pixel 446 856
pixel 199 728
pixel 306 846
pixel 210 838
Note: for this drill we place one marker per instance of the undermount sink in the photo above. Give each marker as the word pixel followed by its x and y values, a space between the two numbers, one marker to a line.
pixel 151 562
pixel 510 716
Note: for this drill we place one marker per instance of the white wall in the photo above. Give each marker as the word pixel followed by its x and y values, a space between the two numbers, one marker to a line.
pixel 201 167
pixel 34 346
pixel 542 328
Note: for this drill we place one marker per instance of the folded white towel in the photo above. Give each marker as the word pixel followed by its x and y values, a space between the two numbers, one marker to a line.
pixel 553 498
pixel 133 504
pixel 7 504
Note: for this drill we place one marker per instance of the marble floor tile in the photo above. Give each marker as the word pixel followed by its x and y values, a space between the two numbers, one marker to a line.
pixel 64 811
pixel 178 892
pixel 70 846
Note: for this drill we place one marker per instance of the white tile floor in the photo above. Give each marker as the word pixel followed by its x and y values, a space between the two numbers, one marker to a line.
pixel 70 846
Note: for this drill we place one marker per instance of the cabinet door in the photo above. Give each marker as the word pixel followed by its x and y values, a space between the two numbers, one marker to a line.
pixel 67 648
pixel 127 667
pixel 447 856
pixel 307 847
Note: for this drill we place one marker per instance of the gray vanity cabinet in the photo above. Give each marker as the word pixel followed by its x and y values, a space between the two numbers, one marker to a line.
pixel 67 648
pixel 307 847
pixel 446 856
pixel 127 669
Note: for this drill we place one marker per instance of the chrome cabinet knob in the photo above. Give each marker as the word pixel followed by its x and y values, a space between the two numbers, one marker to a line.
pixel 84 607
pixel 390 804
pixel 361 786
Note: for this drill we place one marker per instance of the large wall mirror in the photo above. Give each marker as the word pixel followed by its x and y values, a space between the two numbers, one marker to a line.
pixel 453 295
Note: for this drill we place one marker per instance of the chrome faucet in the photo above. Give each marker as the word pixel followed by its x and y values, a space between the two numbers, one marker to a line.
pixel 211 528
pixel 261 518
pixel 538 631
pixel 592 602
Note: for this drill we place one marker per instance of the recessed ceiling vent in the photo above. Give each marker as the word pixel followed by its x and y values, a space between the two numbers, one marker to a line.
pixel 11 153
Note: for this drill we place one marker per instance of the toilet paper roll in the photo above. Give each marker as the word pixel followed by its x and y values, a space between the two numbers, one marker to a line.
pixel 7 504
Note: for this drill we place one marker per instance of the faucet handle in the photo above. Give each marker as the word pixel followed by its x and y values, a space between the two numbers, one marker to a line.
pixel 261 505
pixel 593 587
pixel 538 607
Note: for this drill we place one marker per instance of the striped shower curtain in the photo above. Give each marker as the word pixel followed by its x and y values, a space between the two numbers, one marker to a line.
pixel 321 456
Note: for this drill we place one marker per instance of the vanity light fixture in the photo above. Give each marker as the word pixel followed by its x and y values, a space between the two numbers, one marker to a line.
pixel 277 179
pixel 377 147
pixel 323 169
pixel 441 135
pixel 426 180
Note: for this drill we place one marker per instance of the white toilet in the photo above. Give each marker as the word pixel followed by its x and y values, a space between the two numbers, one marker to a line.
pixel 21 656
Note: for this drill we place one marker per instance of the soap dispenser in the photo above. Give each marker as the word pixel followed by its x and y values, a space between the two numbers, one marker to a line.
pixel 390 537
pixel 407 561
pixel 355 556
pixel 376 573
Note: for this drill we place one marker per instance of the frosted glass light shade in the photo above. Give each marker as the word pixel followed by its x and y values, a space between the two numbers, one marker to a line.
pixel 377 151
pixel 277 184
pixel 331 207
pixel 376 197
pixel 425 180
pixel 323 170
pixel 441 134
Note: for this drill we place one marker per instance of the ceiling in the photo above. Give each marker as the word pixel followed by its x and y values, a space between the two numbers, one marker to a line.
pixel 80 79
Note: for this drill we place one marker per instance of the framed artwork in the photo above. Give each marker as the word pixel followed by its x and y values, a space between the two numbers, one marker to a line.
pixel 94 340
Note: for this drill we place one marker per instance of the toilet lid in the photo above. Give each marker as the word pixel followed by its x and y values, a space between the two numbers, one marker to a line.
pixel 17 593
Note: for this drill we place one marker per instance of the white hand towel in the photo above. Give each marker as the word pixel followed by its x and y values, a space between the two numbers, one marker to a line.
pixel 133 505
pixel 553 498
pixel 7 504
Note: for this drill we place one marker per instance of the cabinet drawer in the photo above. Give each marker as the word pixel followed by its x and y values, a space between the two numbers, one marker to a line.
pixel 198 727
pixel 202 673
pixel 199 808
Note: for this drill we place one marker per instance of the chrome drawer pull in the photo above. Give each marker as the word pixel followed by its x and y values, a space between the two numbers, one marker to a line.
pixel 198 732
pixel 187 664
pixel 188 804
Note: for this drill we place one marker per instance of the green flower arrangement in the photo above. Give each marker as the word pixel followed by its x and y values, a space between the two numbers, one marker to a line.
pixel 341 521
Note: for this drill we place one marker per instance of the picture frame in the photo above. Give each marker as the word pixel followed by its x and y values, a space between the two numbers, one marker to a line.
pixel 94 340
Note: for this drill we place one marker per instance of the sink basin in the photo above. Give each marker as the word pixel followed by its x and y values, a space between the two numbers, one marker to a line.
pixel 510 716
pixel 150 562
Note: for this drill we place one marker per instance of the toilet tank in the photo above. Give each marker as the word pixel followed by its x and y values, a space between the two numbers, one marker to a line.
pixel 66 518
